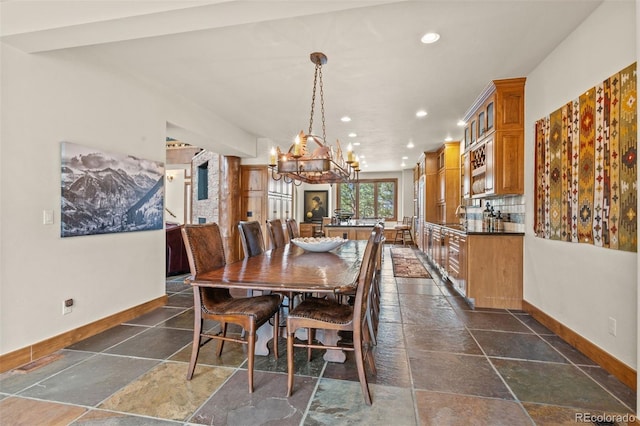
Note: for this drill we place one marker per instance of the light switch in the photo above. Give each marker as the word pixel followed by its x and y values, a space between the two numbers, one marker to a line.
pixel 47 217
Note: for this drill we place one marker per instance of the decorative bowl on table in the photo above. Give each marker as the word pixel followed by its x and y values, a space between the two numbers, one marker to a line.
pixel 319 244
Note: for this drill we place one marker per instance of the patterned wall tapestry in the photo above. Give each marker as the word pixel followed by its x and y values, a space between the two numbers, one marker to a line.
pixel 585 167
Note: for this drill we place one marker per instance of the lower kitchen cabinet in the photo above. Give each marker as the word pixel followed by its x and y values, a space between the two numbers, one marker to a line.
pixel 484 267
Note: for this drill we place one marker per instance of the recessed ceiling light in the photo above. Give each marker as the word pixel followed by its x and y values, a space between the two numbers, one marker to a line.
pixel 461 123
pixel 403 165
pixel 352 135
pixel 421 113
pixel 448 139
pixel 429 38
pixel 405 158
pixel 356 144
pixel 345 119
pixel 361 156
pixel 410 145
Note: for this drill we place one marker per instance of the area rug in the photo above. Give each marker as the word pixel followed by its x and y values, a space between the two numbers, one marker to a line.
pixel 406 264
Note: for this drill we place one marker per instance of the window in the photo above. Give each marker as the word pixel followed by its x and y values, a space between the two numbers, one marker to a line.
pixel 203 181
pixel 369 198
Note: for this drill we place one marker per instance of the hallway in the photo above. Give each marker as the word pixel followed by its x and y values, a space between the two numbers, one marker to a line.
pixel 438 362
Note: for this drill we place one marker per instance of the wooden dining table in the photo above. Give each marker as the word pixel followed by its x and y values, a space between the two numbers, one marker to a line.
pixel 293 270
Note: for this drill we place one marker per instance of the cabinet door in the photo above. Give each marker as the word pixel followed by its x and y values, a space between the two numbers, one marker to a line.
pixel 490 166
pixel 442 186
pixel 466 176
pixel 508 156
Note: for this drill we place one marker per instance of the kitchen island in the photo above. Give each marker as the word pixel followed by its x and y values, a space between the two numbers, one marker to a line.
pixel 485 267
pixel 356 230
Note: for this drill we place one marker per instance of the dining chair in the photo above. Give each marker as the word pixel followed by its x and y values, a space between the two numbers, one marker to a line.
pixel 373 313
pixel 276 233
pixel 292 227
pixel 206 253
pixel 251 238
pixel 329 314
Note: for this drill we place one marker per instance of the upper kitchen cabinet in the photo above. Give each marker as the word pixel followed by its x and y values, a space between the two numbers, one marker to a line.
pixel 493 157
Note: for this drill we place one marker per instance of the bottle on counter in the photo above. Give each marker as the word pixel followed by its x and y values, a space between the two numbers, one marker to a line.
pixel 486 218
pixel 499 222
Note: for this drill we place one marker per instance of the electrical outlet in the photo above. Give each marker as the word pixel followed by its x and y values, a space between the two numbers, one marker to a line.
pixel 612 326
pixel 67 306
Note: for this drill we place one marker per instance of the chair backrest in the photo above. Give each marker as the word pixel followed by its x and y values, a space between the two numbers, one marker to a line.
pixel 365 279
pixel 251 237
pixel 292 227
pixel 204 247
pixel 276 233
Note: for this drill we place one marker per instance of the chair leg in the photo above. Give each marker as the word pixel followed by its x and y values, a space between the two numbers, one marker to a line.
pixel 276 332
pixel 290 333
pixel 311 334
pixel 251 343
pixel 362 375
pixel 195 347
pixel 223 326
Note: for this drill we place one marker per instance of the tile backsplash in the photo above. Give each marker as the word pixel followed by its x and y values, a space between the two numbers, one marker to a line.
pixel 511 208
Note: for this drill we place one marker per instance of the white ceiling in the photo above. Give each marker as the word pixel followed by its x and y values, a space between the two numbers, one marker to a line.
pixel 248 61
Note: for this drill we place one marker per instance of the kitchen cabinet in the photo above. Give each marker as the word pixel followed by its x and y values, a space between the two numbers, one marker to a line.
pixel 496 156
pixel 484 267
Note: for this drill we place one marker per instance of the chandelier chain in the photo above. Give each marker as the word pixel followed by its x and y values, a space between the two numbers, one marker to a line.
pixel 313 99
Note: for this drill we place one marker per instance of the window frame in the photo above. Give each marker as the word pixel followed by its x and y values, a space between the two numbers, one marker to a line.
pixel 376 183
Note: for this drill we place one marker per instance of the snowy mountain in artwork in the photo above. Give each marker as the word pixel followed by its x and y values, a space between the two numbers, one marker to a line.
pixel 105 193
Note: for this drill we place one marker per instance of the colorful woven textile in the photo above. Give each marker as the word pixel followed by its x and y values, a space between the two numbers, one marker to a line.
pixel 586 167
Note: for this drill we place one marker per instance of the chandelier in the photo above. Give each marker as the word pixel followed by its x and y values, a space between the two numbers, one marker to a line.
pixel 310 159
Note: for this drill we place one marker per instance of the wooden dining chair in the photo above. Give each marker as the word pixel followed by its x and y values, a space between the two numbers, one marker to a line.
pixel 206 253
pixel 373 313
pixel 292 227
pixel 251 238
pixel 329 314
pixel 276 233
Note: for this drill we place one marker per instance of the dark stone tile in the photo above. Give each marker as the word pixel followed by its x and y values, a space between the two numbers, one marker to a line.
pixel 533 324
pixel 185 321
pixel 391 366
pixel 613 385
pixel 233 355
pixel 156 316
pixel 178 285
pixel 456 373
pixel 516 345
pixel 301 366
pixel 181 300
pixel 390 335
pixel 427 301
pixel 438 409
pixel 414 312
pixel 440 340
pixel 390 299
pixel 338 402
pixel 555 384
pixel 156 343
pixel 108 338
pixel 232 404
pixel 389 313
pixel 458 303
pixel 492 321
pixel 91 381
pixel 14 381
pixel 568 351
pixel 421 288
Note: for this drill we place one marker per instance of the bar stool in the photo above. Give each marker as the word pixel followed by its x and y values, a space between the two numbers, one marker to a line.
pixel 403 231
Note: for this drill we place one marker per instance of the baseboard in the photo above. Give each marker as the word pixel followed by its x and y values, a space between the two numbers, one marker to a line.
pixel 46 347
pixel 614 366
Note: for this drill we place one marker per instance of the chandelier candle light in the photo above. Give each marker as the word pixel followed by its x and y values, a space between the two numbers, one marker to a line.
pixel 324 164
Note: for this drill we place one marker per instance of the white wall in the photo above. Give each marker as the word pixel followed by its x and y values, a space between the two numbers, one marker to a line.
pixel 582 285
pixel 46 99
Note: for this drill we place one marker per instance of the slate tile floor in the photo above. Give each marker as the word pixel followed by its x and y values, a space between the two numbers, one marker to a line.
pixel 439 363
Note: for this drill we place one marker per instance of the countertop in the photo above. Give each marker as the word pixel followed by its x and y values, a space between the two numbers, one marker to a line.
pixel 476 230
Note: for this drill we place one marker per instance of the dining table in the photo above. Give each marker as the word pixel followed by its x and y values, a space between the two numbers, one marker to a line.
pixel 292 270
